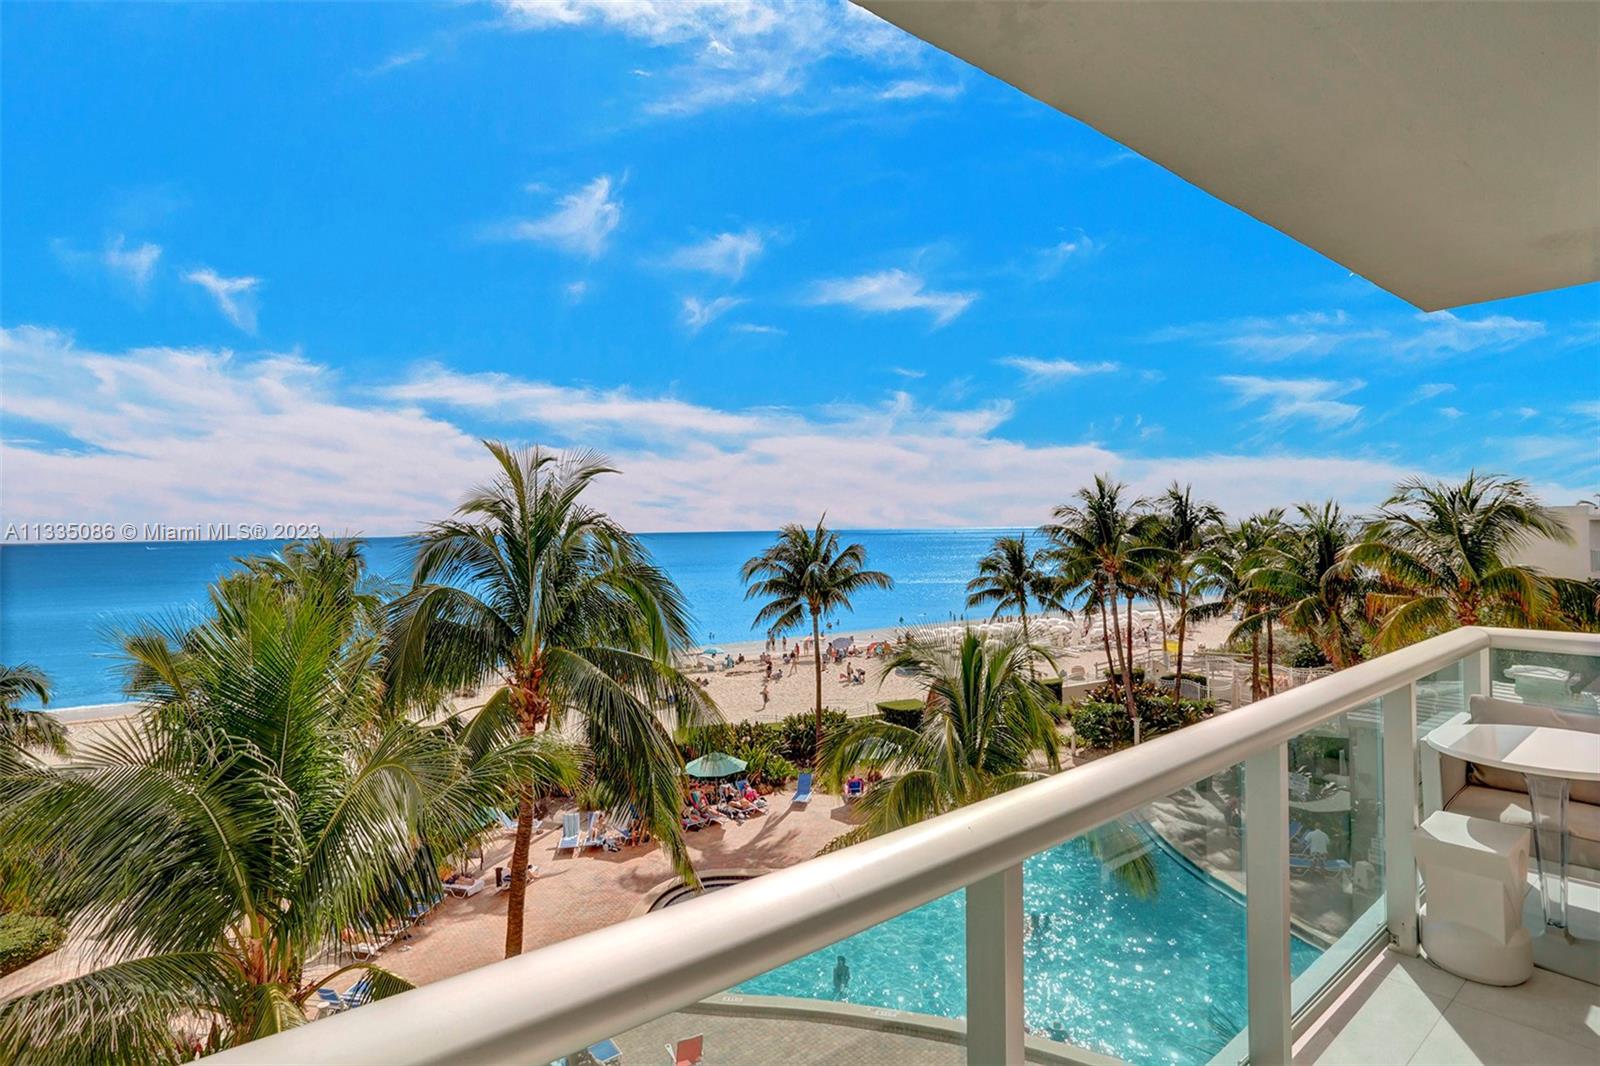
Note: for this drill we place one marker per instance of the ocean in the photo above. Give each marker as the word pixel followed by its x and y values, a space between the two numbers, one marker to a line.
pixel 62 605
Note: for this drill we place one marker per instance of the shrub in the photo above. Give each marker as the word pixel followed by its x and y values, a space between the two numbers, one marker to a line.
pixel 1166 679
pixel 1301 653
pixel 797 734
pixel 1102 721
pixel 906 713
pixel 26 937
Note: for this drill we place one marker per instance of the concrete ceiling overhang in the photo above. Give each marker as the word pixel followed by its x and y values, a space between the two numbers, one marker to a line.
pixel 1449 152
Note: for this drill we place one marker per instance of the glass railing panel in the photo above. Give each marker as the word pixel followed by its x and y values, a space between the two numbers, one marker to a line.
pixel 1336 842
pixel 1134 940
pixel 1566 682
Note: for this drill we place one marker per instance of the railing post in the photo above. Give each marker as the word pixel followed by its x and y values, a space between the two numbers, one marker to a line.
pixel 1400 814
pixel 1476 678
pixel 1266 883
pixel 994 970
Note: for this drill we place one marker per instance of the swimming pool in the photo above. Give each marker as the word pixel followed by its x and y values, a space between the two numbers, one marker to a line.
pixel 1149 981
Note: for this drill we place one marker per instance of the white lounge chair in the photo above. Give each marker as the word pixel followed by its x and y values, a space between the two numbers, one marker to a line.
pixel 463 888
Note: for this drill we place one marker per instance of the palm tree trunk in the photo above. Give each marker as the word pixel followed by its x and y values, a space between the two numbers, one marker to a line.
pixel 816 646
pixel 1133 707
pixel 1272 678
pixel 1121 666
pixel 1027 640
pixel 1105 638
pixel 517 894
pixel 1255 665
pixel 528 706
pixel 1177 673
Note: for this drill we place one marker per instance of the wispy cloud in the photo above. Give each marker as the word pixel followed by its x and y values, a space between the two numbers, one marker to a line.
pixel 1431 389
pixel 1586 408
pixel 235 297
pixel 1311 334
pixel 132 265
pixel 575 291
pixel 1041 372
pixel 1451 413
pixel 1314 399
pixel 756 327
pixel 698 313
pixel 581 223
pixel 137 265
pixel 892 290
pixel 394 62
pixel 913 89
pixel 733 52
pixel 725 254
pixel 908 372
pixel 1051 260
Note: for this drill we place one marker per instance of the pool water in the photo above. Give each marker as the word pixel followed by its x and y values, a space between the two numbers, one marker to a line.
pixel 1150 981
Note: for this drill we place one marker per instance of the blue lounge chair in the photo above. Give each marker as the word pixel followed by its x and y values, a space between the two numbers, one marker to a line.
pixel 330 1001
pixel 571 831
pixel 854 789
pixel 606 1053
pixel 802 790
pixel 592 837
pixel 360 993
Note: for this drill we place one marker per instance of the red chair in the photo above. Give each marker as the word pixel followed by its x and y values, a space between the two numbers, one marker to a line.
pixel 688 1051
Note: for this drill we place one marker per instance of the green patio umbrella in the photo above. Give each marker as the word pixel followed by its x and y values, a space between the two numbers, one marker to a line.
pixel 717 764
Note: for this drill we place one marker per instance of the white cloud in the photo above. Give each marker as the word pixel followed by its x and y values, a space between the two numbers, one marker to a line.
pixel 394 61
pixel 1292 398
pixel 726 254
pixel 1053 258
pixel 698 313
pixel 1451 413
pixel 137 265
pixel 575 291
pixel 1052 371
pixel 892 290
pixel 235 297
pixel 756 327
pixel 1311 334
pixel 581 224
pixel 1587 408
pixel 195 435
pixel 914 89
pixel 732 52
pixel 1431 389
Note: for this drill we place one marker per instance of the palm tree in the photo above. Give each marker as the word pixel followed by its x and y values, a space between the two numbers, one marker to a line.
pixel 806 574
pixel 1318 597
pixel 566 612
pixel 1009 576
pixel 1275 538
pixel 1100 545
pixel 1182 525
pixel 261 805
pixel 1226 565
pixel 985 725
pixel 23 730
pixel 1442 553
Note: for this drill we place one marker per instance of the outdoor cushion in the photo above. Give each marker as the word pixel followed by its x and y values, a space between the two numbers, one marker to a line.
pixel 1514 808
pixel 1508 712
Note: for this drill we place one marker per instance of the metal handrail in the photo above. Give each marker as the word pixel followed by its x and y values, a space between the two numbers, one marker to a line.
pixel 541 1005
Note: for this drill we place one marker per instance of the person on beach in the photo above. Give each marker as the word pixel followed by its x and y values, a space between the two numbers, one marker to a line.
pixel 766 695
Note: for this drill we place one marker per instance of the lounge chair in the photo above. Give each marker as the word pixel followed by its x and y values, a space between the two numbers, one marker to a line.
pixel 571 831
pixel 802 790
pixel 459 885
pixel 702 808
pixel 593 836
pixel 688 1052
pixel 330 1002
pixel 360 993
pixel 854 789
pixel 502 883
pixel 744 783
pixel 605 1053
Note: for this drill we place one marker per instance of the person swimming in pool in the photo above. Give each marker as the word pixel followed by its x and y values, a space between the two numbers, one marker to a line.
pixel 841 977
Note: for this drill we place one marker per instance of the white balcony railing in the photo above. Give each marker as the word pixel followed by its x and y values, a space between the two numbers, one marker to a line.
pixel 544 1004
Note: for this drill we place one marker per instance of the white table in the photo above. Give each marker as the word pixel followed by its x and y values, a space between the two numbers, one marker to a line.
pixel 1548 759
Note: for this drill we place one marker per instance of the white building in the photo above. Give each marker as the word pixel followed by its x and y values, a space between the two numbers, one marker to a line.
pixel 1579 560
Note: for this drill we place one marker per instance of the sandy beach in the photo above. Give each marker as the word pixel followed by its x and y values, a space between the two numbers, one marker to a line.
pixel 737 690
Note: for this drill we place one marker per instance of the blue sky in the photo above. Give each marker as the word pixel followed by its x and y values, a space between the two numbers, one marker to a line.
pixel 289 262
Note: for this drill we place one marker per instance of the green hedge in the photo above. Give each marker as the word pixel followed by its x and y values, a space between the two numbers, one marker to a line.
pixel 26 937
pixel 907 713
pixel 771 748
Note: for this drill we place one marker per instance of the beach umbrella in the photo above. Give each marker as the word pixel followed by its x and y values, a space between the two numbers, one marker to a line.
pixel 716 764
pixel 710 651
